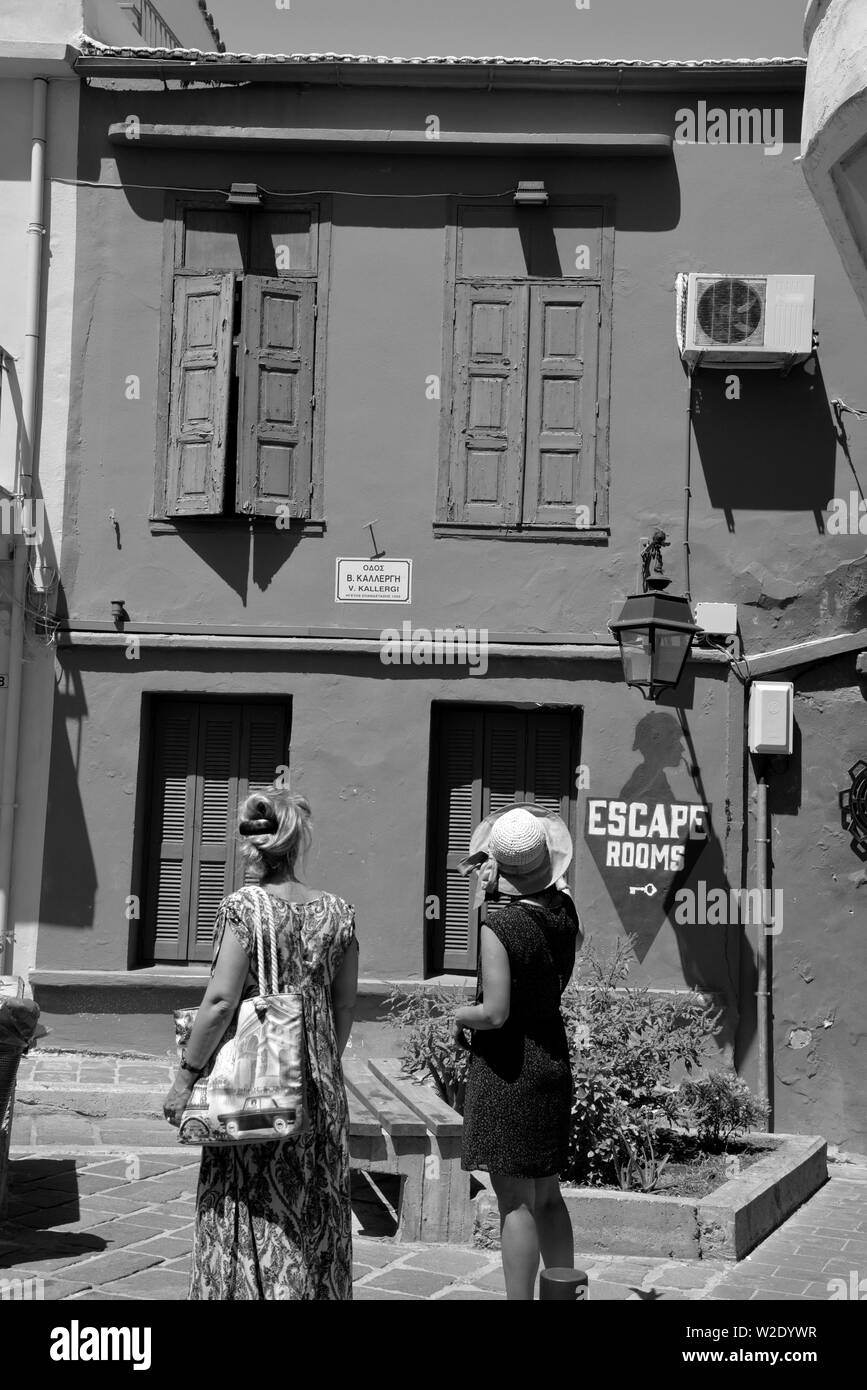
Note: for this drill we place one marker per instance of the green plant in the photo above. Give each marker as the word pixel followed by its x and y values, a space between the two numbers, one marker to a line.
pixel 625 1045
pixel 719 1106
pixel 423 1017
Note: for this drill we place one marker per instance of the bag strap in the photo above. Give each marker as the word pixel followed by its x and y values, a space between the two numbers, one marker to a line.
pixel 265 908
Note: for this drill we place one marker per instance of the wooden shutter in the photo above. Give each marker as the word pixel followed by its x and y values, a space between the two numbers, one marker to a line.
pixel 460 810
pixel 207 756
pixel 489 760
pixel 490 370
pixel 560 468
pixel 275 415
pixel 213 847
pixel 173 800
pixel 264 749
pixel 549 761
pixel 199 393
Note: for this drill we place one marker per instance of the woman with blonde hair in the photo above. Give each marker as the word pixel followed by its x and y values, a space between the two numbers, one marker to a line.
pixel 273 1220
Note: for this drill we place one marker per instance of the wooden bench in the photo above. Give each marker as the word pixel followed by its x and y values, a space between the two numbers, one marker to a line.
pixel 398 1125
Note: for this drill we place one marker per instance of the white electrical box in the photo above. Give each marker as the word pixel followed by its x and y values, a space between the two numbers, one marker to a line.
pixel 772 722
pixel 717 619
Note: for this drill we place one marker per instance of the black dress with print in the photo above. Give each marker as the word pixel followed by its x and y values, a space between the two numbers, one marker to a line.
pixel 519 1090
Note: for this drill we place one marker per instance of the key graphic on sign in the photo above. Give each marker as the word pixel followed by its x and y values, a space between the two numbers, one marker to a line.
pixel 649 888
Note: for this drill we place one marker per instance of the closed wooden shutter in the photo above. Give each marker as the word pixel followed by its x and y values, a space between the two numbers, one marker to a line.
pixel 560 466
pixel 460 810
pixel 199 393
pixel 214 825
pixel 275 415
pixel 489 759
pixel 264 750
pixel 207 756
pixel 490 368
pixel 173 803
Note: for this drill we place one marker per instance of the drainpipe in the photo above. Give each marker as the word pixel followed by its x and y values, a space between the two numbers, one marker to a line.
pixel 29 384
pixel 763 963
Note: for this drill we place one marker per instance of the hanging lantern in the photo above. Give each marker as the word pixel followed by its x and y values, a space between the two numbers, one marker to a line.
pixel 655 629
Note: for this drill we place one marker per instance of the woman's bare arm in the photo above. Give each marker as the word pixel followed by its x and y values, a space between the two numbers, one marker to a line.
pixel 497 975
pixel 344 991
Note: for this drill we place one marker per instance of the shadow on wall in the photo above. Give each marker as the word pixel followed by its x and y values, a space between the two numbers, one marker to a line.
pixel 774 449
pixel 645 872
pixel 69 878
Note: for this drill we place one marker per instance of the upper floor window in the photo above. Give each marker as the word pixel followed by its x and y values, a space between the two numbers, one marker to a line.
pixel 524 445
pixel 241 357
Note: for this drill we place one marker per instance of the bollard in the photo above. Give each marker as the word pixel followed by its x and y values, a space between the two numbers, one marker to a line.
pixel 568 1285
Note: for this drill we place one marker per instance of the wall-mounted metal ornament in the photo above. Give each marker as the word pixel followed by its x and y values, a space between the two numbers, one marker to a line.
pixel 853 804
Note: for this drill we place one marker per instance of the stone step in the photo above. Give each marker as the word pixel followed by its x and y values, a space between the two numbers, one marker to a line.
pixel 90 1102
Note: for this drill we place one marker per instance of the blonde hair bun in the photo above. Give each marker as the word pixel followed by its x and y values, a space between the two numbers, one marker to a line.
pixel 275 825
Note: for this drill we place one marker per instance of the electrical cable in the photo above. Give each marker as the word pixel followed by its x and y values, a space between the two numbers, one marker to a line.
pixel 272 193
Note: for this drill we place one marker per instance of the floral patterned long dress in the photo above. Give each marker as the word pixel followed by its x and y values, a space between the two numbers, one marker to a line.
pixel 273 1221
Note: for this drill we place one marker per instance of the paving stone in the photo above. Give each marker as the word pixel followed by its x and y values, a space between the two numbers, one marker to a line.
pixel 120 1233
pixel 167 1247
pixel 494 1279
pixel 163 1221
pixel 159 1283
pixel 358 1271
pixel 166 1188
pixel 56 1288
pixel 101 1296
pixel 684 1277
pixel 487 1295
pixel 185 1207
pixel 414 1281
pixel 454 1261
pixel 611 1293
pixel 364 1291
pixel 116 1264
pixel 89 1183
pixel 377 1253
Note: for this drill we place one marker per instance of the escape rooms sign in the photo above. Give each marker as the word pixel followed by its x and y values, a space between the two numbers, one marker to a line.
pixel 644 851
pixel 654 838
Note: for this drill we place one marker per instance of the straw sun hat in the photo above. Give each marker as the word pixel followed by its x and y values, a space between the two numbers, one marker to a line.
pixel 521 850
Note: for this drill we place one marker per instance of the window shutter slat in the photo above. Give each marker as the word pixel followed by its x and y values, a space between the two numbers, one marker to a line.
pixel 460 801
pixel 214 827
pixel 560 467
pixel 199 393
pixel 548 762
pixel 173 798
pixel 275 417
pixel 490 369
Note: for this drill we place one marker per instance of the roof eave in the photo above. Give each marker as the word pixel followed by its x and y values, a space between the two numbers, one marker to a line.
pixel 779 74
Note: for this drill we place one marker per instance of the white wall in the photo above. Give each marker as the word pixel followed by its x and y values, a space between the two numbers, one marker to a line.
pixel 56 344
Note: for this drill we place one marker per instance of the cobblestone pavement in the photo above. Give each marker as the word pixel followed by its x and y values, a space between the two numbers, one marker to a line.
pixel 100 1225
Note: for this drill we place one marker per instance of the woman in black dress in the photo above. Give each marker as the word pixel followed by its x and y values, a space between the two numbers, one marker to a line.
pixel 518 1106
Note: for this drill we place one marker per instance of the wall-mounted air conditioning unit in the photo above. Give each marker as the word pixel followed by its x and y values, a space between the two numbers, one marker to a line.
pixel 745 320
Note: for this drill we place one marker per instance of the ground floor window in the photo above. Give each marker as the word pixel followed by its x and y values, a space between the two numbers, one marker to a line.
pixel 486 757
pixel 206 756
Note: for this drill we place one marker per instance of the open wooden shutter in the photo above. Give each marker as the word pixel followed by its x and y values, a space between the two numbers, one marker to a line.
pixel 199 393
pixel 560 468
pixel 460 810
pixel 275 415
pixel 173 799
pixel 490 372
pixel 264 749
pixel 212 871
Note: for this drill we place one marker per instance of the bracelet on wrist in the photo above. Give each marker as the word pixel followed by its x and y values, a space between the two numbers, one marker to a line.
pixel 185 1066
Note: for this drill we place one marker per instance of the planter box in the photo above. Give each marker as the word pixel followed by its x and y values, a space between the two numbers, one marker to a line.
pixel 726 1225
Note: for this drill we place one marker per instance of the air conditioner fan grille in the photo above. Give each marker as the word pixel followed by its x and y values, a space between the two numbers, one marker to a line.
pixel 730 311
